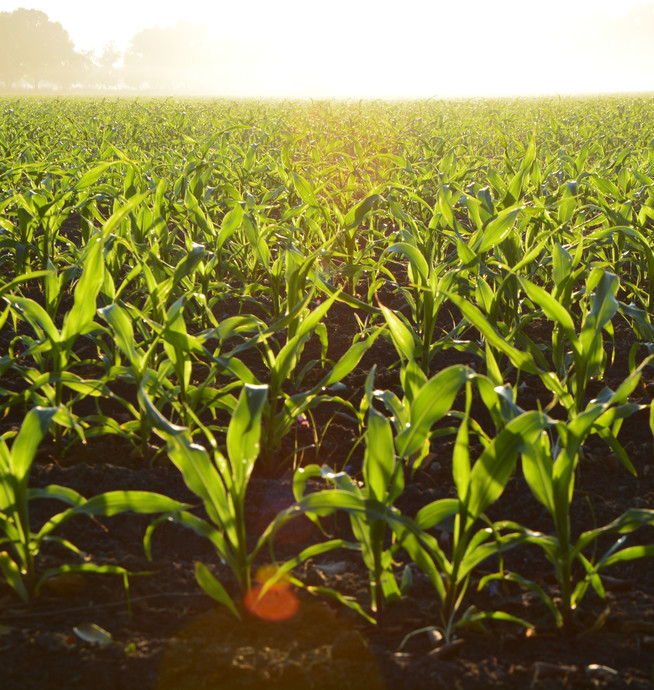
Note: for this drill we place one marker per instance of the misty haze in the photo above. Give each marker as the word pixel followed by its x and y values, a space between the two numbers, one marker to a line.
pixel 344 50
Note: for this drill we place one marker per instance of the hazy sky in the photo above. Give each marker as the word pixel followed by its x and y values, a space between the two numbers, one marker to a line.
pixel 400 48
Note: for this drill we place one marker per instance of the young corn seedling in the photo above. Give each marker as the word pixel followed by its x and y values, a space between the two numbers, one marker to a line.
pixel 21 545
pixel 283 409
pixel 140 366
pixel 383 474
pixel 350 229
pixel 162 359
pixel 586 358
pixel 221 483
pixel 550 470
pixel 432 398
pixel 53 348
pixel 478 486
pixel 428 285
pixel 383 483
pixel 39 212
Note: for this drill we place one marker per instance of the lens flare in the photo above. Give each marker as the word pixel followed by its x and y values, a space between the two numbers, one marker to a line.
pixel 277 602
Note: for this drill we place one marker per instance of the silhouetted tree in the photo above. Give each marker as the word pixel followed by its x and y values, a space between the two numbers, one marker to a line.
pixel 105 67
pixel 34 50
pixel 172 58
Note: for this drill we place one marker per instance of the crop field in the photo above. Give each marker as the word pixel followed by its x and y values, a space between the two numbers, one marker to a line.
pixel 326 394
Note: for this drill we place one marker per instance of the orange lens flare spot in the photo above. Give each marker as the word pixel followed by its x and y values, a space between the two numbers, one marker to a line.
pixel 275 604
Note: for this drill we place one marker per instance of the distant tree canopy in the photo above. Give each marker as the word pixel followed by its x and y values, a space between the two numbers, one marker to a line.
pixel 171 58
pixel 35 50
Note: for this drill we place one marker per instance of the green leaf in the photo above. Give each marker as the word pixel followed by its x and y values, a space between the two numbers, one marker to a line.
pixel 86 292
pixel 522 360
pixel 231 223
pixel 432 402
pixel 201 527
pixel 213 588
pixel 197 215
pixel 481 547
pixel 461 459
pixel 84 568
pixel 413 254
pixel 495 466
pixel 437 512
pixel 604 307
pixel 324 503
pixel 343 600
pixel 537 468
pixel 165 428
pixel 34 427
pixel 480 616
pixel 244 432
pixel 142 502
pixel 8 285
pixel 628 554
pixel 118 216
pixel 305 191
pixel 527 584
pixel 465 254
pixel 561 264
pixel 310 321
pixel 90 177
pixel 552 309
pixel 403 339
pixel 12 576
pixel 355 216
pixel 379 464
pixel 349 360
pixel 61 493
pixel 123 331
pixel 497 229
pixel 189 263
pixel 628 522
pixel 36 315
pixel 202 477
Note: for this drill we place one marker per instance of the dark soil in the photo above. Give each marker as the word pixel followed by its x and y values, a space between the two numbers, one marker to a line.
pixel 168 635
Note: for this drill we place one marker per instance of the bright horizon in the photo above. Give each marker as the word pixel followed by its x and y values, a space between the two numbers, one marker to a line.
pixel 354 48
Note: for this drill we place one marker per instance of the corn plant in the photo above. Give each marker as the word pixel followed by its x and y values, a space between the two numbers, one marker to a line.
pixel 425 296
pixel 21 545
pixel 221 484
pixel 586 358
pixel 159 355
pixel 78 321
pixel 40 212
pixel 424 400
pixel 383 470
pixel 52 348
pixel 350 230
pixel 283 409
pixel 373 514
pixel 549 467
pixel 383 483
pixel 478 486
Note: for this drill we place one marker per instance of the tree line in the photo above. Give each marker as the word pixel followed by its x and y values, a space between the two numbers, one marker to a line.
pixel 37 53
